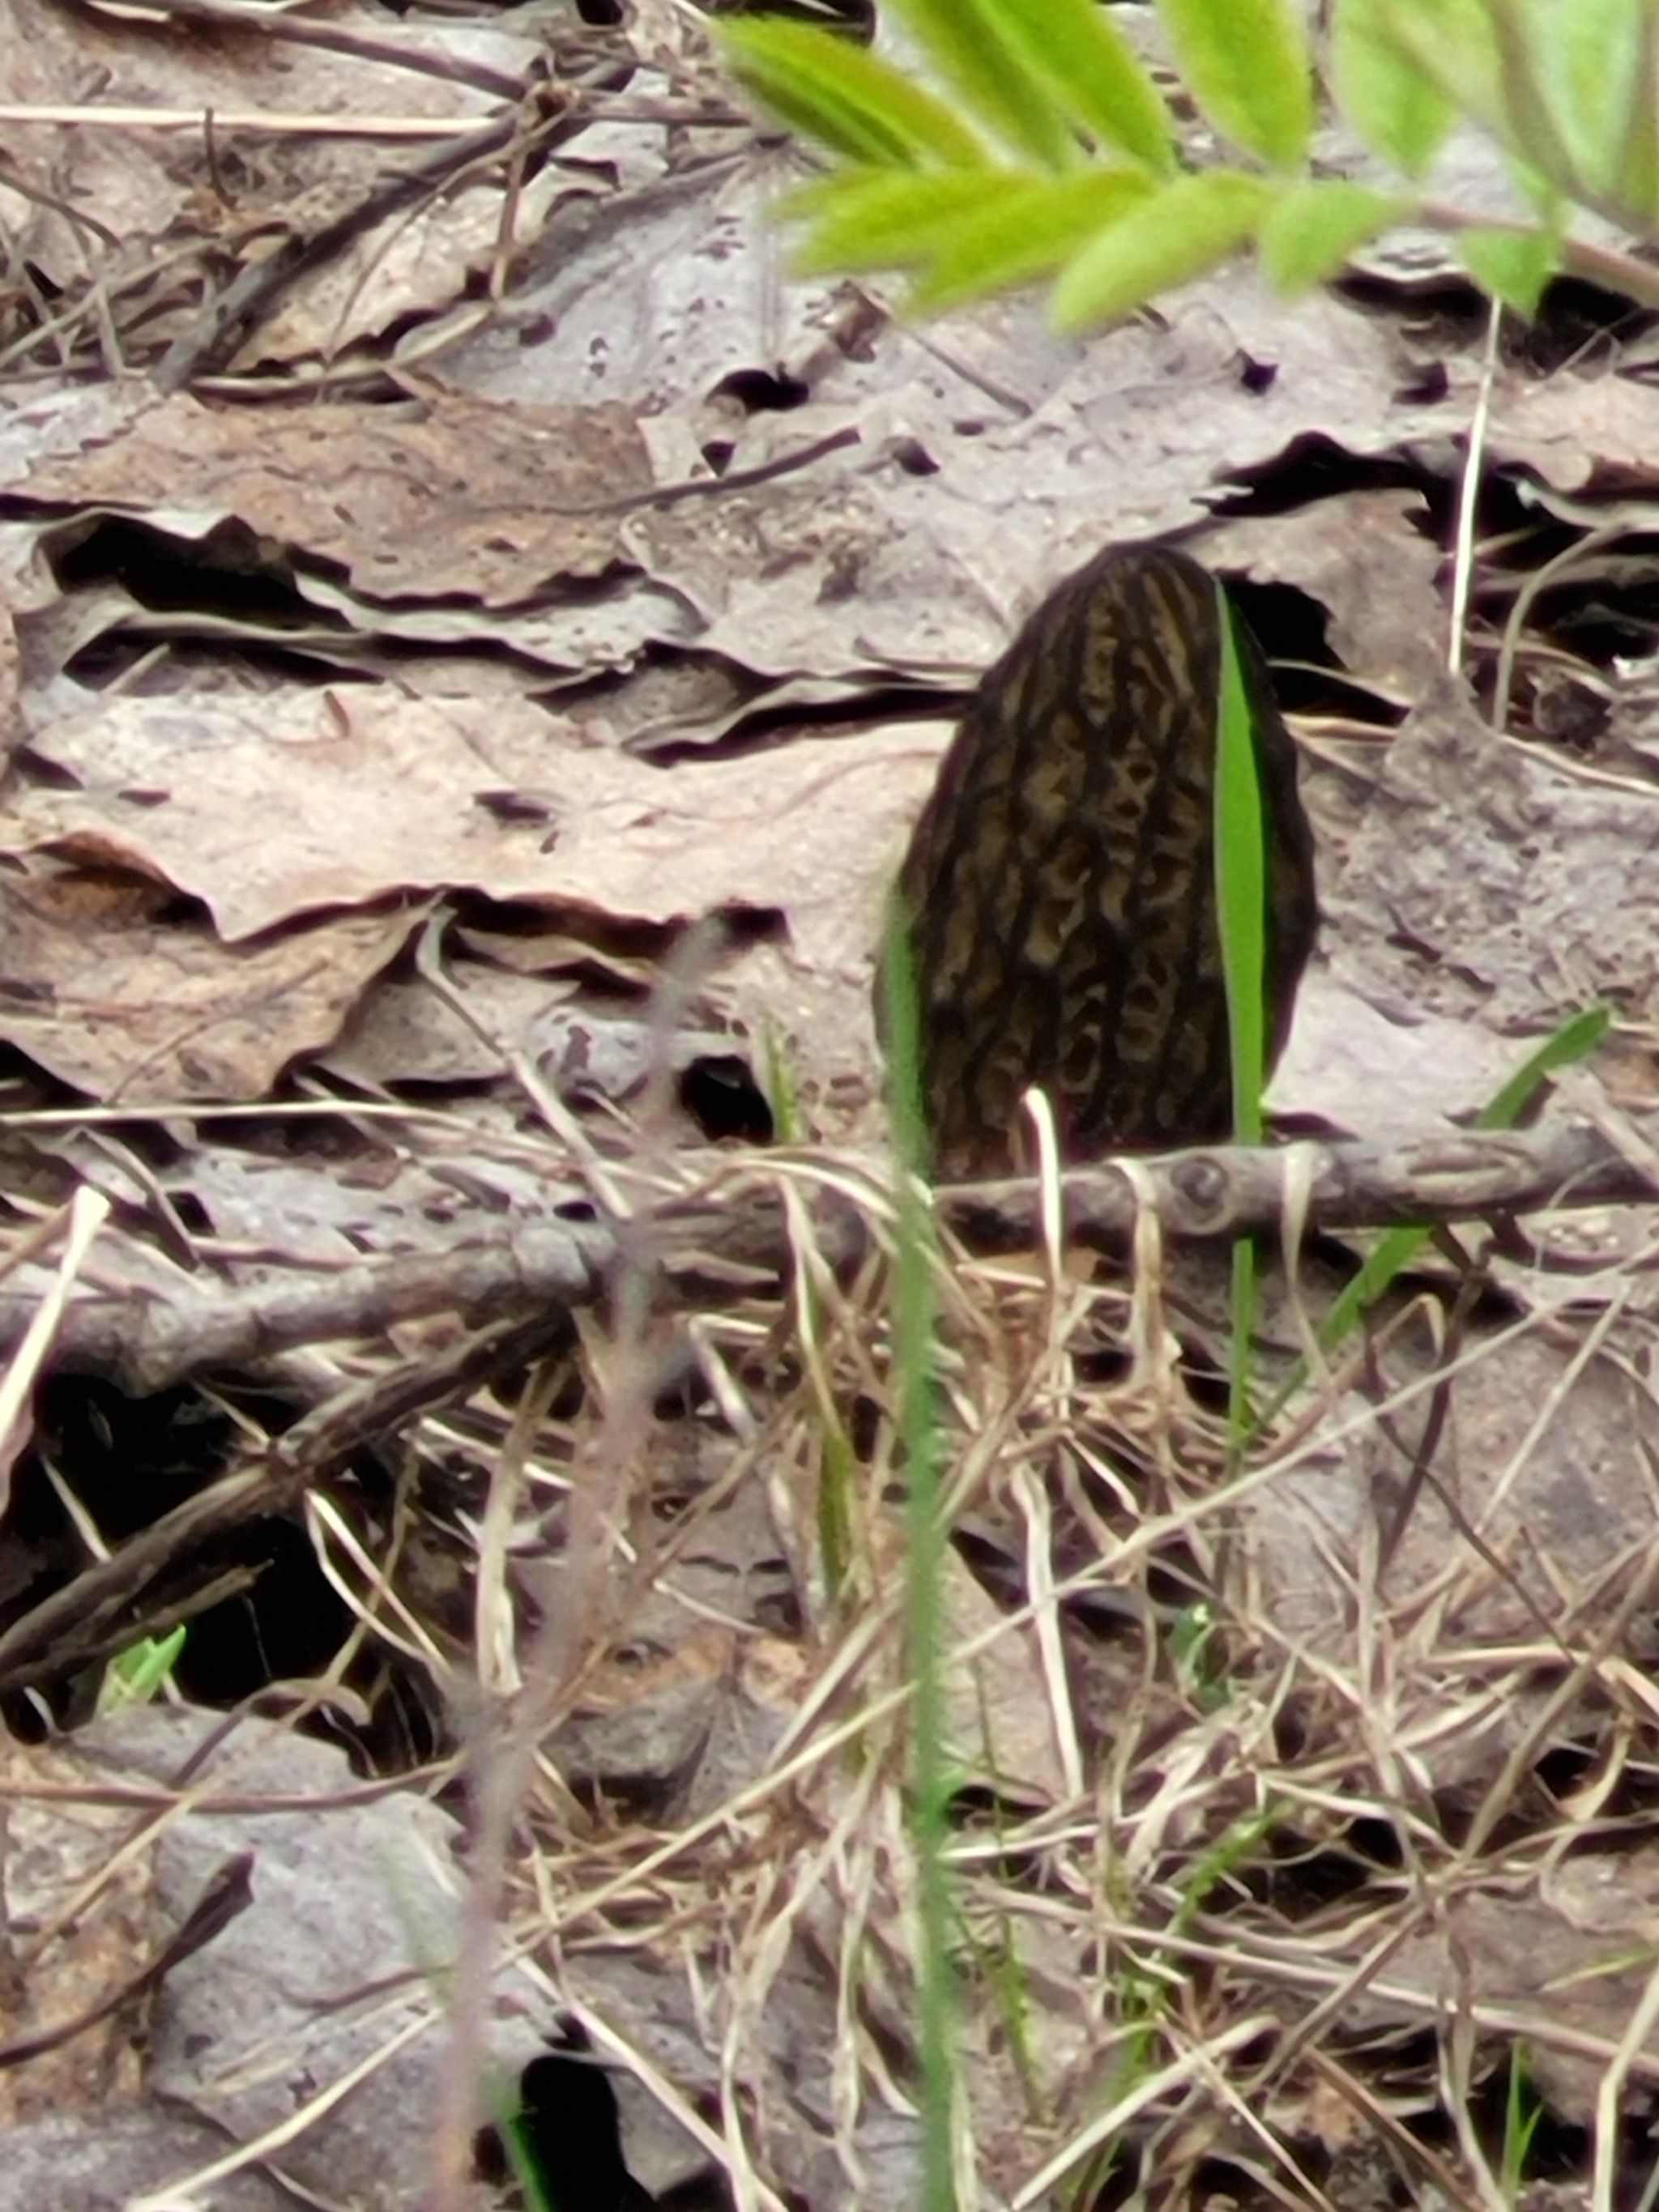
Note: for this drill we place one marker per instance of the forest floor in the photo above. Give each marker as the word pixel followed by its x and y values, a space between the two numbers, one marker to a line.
pixel 474 633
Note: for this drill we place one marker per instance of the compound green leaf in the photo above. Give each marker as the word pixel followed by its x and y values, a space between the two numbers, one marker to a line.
pixel 1601 59
pixel 968 231
pixel 1538 191
pixel 1527 119
pixel 1183 229
pixel 1634 183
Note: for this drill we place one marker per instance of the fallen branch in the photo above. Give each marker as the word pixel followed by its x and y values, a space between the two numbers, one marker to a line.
pixel 1234 1190
pixel 147 1326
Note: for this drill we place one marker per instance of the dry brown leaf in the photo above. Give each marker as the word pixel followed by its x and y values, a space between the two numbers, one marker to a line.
pixel 228 195
pixel 73 1942
pixel 1576 430
pixel 997 1711
pixel 1558 1978
pixel 359 796
pixel 1373 570
pixel 450 495
pixel 403 1032
pixel 352 1919
pixel 110 991
pixel 1389 1071
pixel 1490 884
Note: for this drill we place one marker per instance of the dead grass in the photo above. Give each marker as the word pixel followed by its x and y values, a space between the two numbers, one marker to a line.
pixel 1269 1855
pixel 1230 1898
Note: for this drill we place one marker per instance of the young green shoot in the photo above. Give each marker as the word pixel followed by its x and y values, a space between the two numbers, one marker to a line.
pixel 915 1326
pixel 1241 873
pixel 138 1675
pixel 1395 1251
pixel 1522 2110
pixel 838 1475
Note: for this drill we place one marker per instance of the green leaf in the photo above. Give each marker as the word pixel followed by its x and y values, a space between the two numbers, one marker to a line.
pixel 1634 182
pixel 1453 45
pixel 849 101
pixel 966 230
pixel 967 42
pixel 1182 230
pixel 869 218
pixel 1513 265
pixel 1589 59
pixel 1527 117
pixel 1028 236
pixel 1601 59
pixel 1093 72
pixel 1313 228
pixel 1246 63
pixel 1398 111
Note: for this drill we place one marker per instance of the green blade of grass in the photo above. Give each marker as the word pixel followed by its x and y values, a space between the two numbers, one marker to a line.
pixel 1395 1251
pixel 534 2185
pixel 1241 882
pixel 1522 2110
pixel 913 1324
pixel 1241 887
pixel 782 1091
